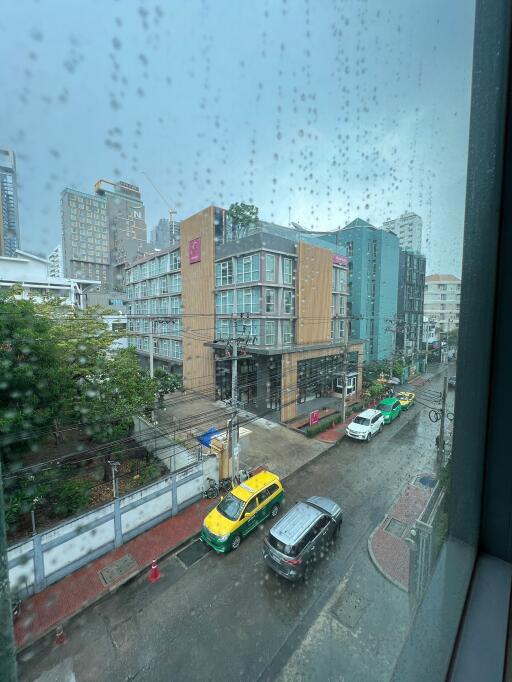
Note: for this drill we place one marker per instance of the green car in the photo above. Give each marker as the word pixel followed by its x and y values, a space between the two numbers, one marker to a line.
pixel 390 408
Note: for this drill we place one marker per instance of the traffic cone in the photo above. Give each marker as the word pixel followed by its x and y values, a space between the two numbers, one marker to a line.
pixel 154 573
pixel 60 635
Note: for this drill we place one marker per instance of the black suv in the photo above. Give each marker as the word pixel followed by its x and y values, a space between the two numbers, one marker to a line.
pixel 302 536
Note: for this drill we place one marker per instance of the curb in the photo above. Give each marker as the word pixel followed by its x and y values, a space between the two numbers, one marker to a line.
pixel 110 591
pixel 378 566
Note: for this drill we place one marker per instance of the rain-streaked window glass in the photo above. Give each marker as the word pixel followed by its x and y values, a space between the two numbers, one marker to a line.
pixel 227 231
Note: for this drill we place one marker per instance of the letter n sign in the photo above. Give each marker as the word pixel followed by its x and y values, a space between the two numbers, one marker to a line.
pixel 194 250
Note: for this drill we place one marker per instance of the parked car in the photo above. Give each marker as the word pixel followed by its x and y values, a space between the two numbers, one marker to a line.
pixel 452 382
pixel 302 537
pixel 390 409
pixel 406 399
pixel 365 425
pixel 242 510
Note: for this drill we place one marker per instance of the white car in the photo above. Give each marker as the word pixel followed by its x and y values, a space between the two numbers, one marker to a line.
pixel 366 425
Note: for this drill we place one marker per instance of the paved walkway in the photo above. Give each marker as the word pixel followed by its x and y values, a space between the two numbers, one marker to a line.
pixel 43 612
pixel 387 545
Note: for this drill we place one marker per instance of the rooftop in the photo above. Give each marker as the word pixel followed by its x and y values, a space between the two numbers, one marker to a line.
pixel 442 278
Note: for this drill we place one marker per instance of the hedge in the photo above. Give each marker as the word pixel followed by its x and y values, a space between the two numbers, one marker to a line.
pixel 323 425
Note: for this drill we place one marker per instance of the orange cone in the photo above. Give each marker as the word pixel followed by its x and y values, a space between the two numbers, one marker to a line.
pixel 60 635
pixel 154 573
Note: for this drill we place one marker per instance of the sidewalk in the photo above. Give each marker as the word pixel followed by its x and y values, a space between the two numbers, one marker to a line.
pixel 387 545
pixel 43 612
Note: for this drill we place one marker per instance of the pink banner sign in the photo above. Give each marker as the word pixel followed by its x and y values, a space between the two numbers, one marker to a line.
pixel 194 250
pixel 314 417
pixel 339 260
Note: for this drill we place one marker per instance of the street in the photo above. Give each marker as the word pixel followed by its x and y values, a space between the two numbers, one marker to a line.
pixel 228 617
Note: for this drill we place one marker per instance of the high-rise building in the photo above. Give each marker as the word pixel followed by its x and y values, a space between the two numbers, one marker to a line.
pixel 372 284
pixel 85 236
pixel 411 290
pixel 102 232
pixel 126 222
pixel 56 267
pixel 9 215
pixel 408 228
pixel 442 301
pixel 283 292
pixel 165 233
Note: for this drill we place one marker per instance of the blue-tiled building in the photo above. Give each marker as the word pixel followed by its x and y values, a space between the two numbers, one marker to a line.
pixel 373 284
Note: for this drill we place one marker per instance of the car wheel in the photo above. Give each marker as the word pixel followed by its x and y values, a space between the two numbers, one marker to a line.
pixel 274 511
pixel 337 532
pixel 381 427
pixel 306 575
pixel 235 542
pixel 369 437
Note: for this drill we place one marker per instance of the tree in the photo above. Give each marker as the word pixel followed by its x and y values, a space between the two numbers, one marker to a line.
pixel 36 385
pixel 453 337
pixel 116 390
pixel 167 383
pixel 243 217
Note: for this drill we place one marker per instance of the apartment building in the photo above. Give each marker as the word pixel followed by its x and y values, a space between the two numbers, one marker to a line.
pixel 408 228
pixel 9 212
pixel 442 301
pixel 283 294
pixel 411 291
pixel 56 262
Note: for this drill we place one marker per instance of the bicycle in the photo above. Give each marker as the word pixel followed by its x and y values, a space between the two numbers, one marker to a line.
pixel 212 490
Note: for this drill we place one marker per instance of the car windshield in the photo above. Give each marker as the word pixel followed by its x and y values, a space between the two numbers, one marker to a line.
pixel 384 407
pixel 231 507
pixel 362 420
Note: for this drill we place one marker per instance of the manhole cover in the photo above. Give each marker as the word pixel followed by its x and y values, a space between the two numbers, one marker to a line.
pixel 349 608
pixel 193 553
pixel 115 570
pixel 396 528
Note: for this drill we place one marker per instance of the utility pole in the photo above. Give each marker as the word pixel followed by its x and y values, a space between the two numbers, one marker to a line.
pixel 440 438
pixel 344 386
pixel 233 440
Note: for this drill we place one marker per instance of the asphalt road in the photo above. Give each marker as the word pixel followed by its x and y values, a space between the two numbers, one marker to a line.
pixel 229 618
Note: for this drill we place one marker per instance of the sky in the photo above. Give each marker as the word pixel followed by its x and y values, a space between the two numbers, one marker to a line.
pixel 316 110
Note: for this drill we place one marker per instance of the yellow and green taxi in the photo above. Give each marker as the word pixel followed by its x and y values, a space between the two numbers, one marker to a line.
pixel 241 510
pixel 406 399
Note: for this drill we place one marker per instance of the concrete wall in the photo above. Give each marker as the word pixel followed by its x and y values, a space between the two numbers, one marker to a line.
pixel 49 556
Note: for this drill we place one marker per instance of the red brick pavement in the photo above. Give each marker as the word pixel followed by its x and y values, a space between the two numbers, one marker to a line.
pixel 389 553
pixel 42 612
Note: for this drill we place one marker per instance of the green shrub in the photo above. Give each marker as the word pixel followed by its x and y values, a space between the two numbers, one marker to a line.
pixel 68 498
pixel 150 473
pixel 323 425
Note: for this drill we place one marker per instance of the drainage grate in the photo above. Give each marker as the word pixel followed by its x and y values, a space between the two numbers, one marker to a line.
pixel 349 608
pixel 193 553
pixel 118 568
pixel 396 528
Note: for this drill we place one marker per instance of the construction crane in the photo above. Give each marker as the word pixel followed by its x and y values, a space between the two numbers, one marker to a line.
pixel 172 211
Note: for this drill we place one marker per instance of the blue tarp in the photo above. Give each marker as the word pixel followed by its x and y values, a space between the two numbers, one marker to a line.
pixel 206 438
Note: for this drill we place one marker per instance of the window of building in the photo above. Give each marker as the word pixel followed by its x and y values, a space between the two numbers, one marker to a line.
pixel 249 328
pixel 288 302
pixel 287 329
pixel 175 283
pixel 341 329
pixel 349 248
pixel 270 267
pixel 270 332
pixel 248 300
pixel 223 329
pixel 287 271
pixel 270 300
pixel 224 301
pixel 248 268
pixel 224 273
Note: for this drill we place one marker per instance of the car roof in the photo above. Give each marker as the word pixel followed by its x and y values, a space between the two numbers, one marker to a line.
pixel 369 413
pixel 387 401
pixel 329 506
pixel 253 485
pixel 294 523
